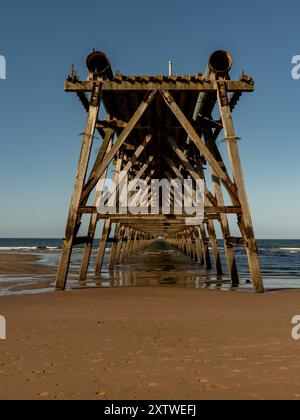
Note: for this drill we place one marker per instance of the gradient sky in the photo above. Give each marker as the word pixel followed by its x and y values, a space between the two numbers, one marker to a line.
pixel 40 124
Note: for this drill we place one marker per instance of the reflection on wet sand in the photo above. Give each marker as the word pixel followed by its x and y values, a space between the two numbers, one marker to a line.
pixel 158 266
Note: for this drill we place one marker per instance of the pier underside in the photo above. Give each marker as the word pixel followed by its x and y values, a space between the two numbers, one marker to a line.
pixel 160 128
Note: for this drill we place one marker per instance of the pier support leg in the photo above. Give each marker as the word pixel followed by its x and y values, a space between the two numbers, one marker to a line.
pixel 106 147
pixel 215 247
pixel 199 247
pixel 74 217
pixel 246 220
pixel 124 245
pixel 102 246
pixel 128 244
pixel 113 254
pixel 88 248
pixel 224 224
pixel 120 245
pixel 205 243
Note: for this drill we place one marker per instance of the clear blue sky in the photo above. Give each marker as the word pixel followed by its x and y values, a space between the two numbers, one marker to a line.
pixel 40 124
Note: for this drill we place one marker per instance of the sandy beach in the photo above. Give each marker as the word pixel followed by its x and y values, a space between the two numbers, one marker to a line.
pixel 20 273
pixel 149 343
pixel 19 264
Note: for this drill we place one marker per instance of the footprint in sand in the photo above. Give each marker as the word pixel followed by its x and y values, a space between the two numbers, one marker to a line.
pixel 101 394
pixel 44 395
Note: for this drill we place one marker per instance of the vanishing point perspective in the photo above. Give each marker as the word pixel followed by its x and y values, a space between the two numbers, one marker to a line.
pixel 160 127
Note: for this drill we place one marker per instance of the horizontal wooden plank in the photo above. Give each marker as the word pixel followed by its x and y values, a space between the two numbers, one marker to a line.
pixel 158 223
pixel 78 86
pixel 208 210
pixel 198 86
pixel 119 124
pixel 82 240
pixel 236 241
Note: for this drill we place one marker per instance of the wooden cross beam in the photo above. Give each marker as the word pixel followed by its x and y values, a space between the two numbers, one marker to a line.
pixel 194 174
pixel 141 148
pixel 228 184
pixel 118 144
pixel 207 210
pixel 179 85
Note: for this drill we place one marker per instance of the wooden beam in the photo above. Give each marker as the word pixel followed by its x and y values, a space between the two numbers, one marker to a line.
pixel 117 146
pixel 215 247
pixel 140 149
pixel 205 243
pixel 72 222
pixel 234 157
pixel 93 223
pixel 117 238
pixel 119 245
pixel 194 174
pixel 109 134
pixel 207 210
pixel 181 85
pixel 107 224
pixel 143 169
pixel 120 124
pixel 225 228
pixel 102 246
pixel 228 184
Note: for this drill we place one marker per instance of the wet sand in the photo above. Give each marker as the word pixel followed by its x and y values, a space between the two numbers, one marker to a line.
pixel 20 264
pixel 21 273
pixel 150 343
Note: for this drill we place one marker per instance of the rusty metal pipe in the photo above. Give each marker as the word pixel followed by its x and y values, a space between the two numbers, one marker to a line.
pixel 97 62
pixel 220 62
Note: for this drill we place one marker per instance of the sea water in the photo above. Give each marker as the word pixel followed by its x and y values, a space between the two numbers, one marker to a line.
pixel 280 262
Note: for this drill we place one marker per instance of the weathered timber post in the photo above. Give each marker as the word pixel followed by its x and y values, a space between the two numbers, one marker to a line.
pixel 199 248
pixel 94 217
pixel 215 247
pixel 119 245
pixel 117 238
pixel 234 156
pixel 107 224
pixel 74 217
pixel 102 246
pixel 231 262
pixel 205 243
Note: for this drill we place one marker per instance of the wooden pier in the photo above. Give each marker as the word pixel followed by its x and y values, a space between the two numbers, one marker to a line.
pixel 160 127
